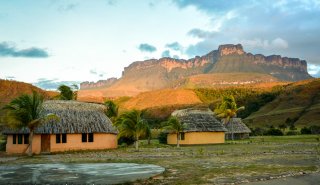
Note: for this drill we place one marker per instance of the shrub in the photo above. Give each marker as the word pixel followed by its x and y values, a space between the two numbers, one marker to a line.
pixel 315 129
pixel 292 133
pixel 273 132
pixel 163 137
pixel 257 131
pixel 305 130
pixel 126 140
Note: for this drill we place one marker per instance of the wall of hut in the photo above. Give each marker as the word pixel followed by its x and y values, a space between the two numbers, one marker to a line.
pixel 193 138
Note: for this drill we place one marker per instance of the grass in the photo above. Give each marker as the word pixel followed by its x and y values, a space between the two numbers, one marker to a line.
pixel 232 162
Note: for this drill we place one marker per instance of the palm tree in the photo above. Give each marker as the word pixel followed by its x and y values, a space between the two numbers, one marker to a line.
pixel 132 124
pixel 112 109
pixel 228 109
pixel 175 126
pixel 27 111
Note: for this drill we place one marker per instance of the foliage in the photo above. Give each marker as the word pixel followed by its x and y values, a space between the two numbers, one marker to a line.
pixel 112 109
pixel 68 93
pixel 257 131
pixel 132 124
pixel 163 137
pixel 292 133
pixel 27 111
pixel 315 129
pixel 273 132
pixel 174 125
pixel 305 130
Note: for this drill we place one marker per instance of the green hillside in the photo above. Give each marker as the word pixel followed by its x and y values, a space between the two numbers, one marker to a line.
pixel 298 104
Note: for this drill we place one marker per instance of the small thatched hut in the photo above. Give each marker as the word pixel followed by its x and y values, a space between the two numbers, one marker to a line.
pixel 201 127
pixel 239 129
pixel 80 126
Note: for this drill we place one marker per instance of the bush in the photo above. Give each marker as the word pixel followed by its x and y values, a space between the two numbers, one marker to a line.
pixel 315 129
pixel 292 133
pixel 125 140
pixel 273 132
pixel 257 131
pixel 305 130
pixel 163 138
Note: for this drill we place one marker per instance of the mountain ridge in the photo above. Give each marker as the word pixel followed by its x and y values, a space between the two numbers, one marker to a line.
pixel 154 74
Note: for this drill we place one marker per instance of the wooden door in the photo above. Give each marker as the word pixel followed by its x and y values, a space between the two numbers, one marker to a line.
pixel 45 143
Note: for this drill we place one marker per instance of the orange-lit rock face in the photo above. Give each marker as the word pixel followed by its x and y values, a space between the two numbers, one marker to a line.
pixel 170 64
pixel 229 49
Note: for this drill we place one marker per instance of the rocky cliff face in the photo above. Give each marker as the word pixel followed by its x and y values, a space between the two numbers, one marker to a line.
pixel 227 59
pixel 98 84
pixel 168 72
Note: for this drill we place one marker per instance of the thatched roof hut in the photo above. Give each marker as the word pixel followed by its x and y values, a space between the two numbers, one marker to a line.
pixel 236 126
pixel 74 117
pixel 199 120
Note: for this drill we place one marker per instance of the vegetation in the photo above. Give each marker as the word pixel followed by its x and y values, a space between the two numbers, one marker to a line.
pixel 228 109
pixel 112 110
pixel 175 126
pixel 26 111
pixel 68 93
pixel 132 124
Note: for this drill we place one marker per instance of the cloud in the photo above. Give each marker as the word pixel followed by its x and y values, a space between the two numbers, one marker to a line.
pixel 10 51
pixel 166 53
pixel 277 43
pixel 289 28
pixel 96 72
pixel 112 2
pixel 314 70
pixel 174 46
pixel 67 7
pixel 53 84
pixel 201 33
pixel 144 47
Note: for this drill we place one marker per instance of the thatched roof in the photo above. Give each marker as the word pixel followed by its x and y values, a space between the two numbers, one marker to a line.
pixel 74 117
pixel 199 120
pixel 237 126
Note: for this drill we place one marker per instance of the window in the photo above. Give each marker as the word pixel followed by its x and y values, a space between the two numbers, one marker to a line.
pixel 61 138
pixel 14 139
pixel 64 138
pixel 19 138
pixel 90 137
pixel 182 135
pixel 84 138
pixel 87 137
pixel 26 138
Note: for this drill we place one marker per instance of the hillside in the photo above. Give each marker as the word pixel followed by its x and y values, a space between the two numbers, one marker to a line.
pixel 12 89
pixel 299 104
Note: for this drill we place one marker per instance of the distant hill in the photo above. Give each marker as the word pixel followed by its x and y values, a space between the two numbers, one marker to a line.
pixel 218 67
pixel 12 89
pixel 299 103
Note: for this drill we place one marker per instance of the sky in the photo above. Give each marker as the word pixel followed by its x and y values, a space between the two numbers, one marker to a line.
pixel 52 42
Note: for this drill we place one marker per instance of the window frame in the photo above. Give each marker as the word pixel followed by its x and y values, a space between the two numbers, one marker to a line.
pixel 26 139
pixel 63 138
pixel 90 137
pixel 20 139
pixel 182 136
pixel 14 139
pixel 58 138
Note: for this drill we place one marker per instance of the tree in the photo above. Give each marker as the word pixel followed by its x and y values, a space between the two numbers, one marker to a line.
pixel 27 111
pixel 66 93
pixel 112 109
pixel 175 126
pixel 228 109
pixel 132 124
pixel 283 127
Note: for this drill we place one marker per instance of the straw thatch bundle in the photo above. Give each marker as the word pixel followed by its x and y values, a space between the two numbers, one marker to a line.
pixel 199 120
pixel 236 126
pixel 74 117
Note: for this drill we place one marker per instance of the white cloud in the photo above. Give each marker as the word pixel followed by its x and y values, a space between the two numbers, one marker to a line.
pixel 277 43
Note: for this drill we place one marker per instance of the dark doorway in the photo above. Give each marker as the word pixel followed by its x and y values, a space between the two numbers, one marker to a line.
pixel 45 143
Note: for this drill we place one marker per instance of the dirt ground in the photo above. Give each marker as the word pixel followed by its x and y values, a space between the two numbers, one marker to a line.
pixel 259 159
